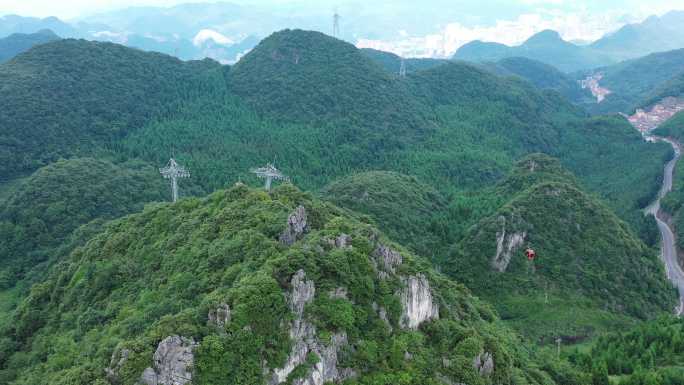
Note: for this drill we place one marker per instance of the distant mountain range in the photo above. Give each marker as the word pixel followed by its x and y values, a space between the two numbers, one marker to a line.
pixel 225 32
pixel 201 43
pixel 655 34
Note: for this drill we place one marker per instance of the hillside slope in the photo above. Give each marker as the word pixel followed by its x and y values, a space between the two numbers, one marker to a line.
pixel 542 75
pixel 69 97
pixel 587 257
pixel 17 43
pixel 404 207
pixel 37 220
pixel 243 287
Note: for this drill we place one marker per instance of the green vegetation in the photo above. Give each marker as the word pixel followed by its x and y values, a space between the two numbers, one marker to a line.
pixel 159 273
pixel 445 138
pixel 37 220
pixel 317 105
pixel 543 76
pixel 70 97
pixel 17 43
pixel 406 209
pixel 584 251
pixel 651 353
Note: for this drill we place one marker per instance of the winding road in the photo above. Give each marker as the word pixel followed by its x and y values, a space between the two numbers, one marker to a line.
pixel 668 248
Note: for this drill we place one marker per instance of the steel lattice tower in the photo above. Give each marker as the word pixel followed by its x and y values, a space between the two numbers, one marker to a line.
pixel 270 173
pixel 174 171
pixel 336 25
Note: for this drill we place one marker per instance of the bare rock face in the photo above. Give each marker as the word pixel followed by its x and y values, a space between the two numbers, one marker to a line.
pixel 119 358
pixel 220 317
pixel 173 362
pixel 417 302
pixel 343 241
pixel 506 244
pixel 484 364
pixel 387 260
pixel 296 226
pixel 304 341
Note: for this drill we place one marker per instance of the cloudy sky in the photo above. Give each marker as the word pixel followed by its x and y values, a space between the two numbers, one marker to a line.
pixel 410 27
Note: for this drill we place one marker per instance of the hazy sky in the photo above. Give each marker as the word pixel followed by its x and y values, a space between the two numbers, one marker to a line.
pixel 74 8
pixel 419 28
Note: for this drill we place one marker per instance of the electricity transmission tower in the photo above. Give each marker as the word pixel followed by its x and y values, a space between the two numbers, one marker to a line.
pixel 336 24
pixel 402 68
pixel 174 171
pixel 270 173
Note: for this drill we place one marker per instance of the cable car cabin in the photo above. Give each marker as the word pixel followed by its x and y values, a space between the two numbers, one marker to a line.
pixel 530 254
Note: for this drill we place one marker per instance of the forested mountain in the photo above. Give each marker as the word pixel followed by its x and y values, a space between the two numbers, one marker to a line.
pixel 444 137
pixel 247 287
pixel 69 97
pixel 17 43
pixel 587 259
pixel 316 104
pixel 638 82
pixel 542 75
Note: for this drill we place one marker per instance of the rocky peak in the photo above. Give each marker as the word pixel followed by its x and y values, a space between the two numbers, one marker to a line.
pixel 484 364
pixel 387 260
pixel 305 341
pixel 417 302
pixel 296 226
pixel 506 244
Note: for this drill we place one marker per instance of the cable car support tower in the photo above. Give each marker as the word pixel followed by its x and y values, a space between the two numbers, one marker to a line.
pixel 269 173
pixel 174 171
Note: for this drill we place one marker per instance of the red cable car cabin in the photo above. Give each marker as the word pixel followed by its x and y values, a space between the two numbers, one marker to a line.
pixel 530 254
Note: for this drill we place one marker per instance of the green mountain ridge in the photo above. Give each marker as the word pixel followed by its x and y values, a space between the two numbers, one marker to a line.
pixel 229 273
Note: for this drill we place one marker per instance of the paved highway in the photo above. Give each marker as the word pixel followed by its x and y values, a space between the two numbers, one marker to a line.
pixel 668 249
